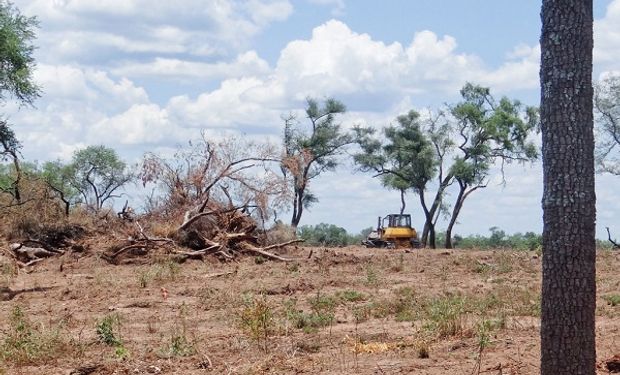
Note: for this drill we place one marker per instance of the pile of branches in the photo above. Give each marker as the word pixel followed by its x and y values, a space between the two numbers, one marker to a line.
pixel 225 233
pixel 48 241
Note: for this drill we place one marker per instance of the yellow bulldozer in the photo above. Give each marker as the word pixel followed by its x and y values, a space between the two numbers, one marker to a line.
pixel 393 231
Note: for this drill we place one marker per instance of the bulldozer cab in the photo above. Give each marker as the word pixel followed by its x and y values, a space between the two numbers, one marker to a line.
pixel 393 231
pixel 396 221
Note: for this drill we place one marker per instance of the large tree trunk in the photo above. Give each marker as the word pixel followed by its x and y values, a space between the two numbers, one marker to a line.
pixel 569 212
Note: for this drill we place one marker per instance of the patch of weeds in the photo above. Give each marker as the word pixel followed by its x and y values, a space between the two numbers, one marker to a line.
pixel 613 299
pixel 259 259
pixel 399 265
pixel 293 267
pixel 108 331
pixel 144 277
pixel 179 345
pixel 26 343
pixel 482 268
pixel 372 276
pixel 405 306
pixel 321 315
pixel 164 270
pixel 8 272
pixel 257 320
pixel 351 296
pixel 422 349
pixel 524 302
pixel 445 315
pixel 504 263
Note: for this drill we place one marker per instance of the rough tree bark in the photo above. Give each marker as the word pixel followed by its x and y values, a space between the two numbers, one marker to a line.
pixel 569 212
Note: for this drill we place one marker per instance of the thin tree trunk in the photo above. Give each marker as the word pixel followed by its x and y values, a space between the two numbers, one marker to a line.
pixel 455 213
pixel 429 226
pixel 403 204
pixel 569 211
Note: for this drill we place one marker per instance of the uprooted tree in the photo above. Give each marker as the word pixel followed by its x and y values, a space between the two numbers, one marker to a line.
pixel 215 197
pixel 309 153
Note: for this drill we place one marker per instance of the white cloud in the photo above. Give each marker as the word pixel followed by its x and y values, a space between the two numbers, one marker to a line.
pixel 246 64
pixel 79 30
pixel 607 36
pixel 338 6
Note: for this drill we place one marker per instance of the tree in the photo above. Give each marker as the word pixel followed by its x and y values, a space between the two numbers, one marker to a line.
pixel 488 132
pixel 16 49
pixel 16 79
pixel 324 235
pixel 607 108
pixel 404 159
pixel 307 154
pixel 97 173
pixel 569 211
pixel 58 178
pixel 10 151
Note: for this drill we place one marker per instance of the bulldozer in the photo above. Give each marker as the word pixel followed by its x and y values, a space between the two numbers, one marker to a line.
pixel 393 231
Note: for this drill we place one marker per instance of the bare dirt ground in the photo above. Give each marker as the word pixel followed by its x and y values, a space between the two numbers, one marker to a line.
pixel 331 311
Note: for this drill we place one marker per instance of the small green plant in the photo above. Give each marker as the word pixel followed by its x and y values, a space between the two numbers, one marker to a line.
pixel 259 259
pixel 372 276
pixel 613 299
pixel 256 319
pixel 179 344
pixel 121 352
pixel 108 330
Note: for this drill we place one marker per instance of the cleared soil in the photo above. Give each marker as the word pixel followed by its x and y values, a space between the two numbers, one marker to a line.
pixel 331 311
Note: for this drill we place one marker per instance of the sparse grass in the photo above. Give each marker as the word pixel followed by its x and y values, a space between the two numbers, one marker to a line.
pixel 372 276
pixel 612 299
pixel 351 296
pixel 179 345
pixel 445 315
pixel 165 270
pixel 27 343
pixel 257 319
pixel 321 315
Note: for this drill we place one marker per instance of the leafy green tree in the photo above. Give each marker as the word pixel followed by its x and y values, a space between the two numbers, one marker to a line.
pixel 324 235
pixel 9 151
pixel 488 132
pixel 405 158
pixel 607 110
pixel 308 153
pixel 458 149
pixel 58 177
pixel 97 173
pixel 16 49
pixel 16 80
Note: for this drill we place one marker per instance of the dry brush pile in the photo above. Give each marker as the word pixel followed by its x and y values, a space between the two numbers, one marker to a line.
pixel 211 199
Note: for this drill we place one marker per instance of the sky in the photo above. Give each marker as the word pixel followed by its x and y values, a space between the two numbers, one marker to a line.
pixel 143 75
